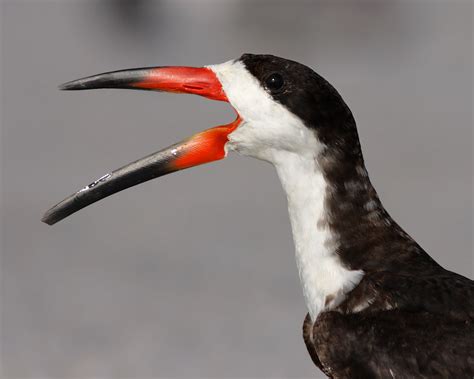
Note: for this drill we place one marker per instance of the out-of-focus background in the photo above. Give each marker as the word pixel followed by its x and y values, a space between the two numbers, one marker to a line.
pixel 193 274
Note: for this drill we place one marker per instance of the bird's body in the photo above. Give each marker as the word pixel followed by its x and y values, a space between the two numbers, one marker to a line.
pixel 390 344
pixel 413 320
pixel 379 305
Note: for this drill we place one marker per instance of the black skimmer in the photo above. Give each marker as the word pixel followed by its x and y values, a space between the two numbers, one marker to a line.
pixel 379 305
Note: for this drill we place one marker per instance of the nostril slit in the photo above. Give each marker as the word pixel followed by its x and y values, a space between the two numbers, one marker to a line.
pixel 194 87
pixel 191 87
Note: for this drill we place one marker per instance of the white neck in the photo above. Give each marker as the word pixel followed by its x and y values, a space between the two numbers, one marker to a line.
pixel 324 279
pixel 269 131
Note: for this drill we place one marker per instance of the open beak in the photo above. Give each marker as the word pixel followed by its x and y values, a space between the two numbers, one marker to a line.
pixel 203 147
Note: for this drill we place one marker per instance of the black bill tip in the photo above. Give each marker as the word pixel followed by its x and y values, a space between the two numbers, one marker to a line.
pixel 142 170
pixel 115 79
pixel 59 211
pixel 74 85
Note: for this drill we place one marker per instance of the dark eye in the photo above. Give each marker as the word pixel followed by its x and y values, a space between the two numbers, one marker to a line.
pixel 274 82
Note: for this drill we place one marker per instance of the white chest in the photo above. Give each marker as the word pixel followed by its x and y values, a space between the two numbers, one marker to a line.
pixel 324 279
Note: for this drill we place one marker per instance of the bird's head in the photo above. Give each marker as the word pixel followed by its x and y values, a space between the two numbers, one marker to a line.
pixel 282 106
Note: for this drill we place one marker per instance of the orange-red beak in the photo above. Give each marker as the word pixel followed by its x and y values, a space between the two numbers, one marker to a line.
pixel 203 147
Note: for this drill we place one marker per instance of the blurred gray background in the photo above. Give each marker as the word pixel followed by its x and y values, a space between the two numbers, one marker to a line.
pixel 193 274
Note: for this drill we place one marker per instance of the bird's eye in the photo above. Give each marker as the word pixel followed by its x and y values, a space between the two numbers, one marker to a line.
pixel 274 82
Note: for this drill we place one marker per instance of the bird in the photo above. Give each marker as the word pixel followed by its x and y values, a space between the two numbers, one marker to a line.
pixel 378 305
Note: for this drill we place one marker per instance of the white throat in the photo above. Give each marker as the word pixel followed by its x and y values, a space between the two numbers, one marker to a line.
pixel 324 279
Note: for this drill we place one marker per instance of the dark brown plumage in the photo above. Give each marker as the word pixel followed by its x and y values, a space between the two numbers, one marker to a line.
pixel 391 344
pixel 396 326
pixel 404 316
pixel 408 317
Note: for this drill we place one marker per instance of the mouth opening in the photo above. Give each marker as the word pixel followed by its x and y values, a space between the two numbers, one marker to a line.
pixel 204 147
